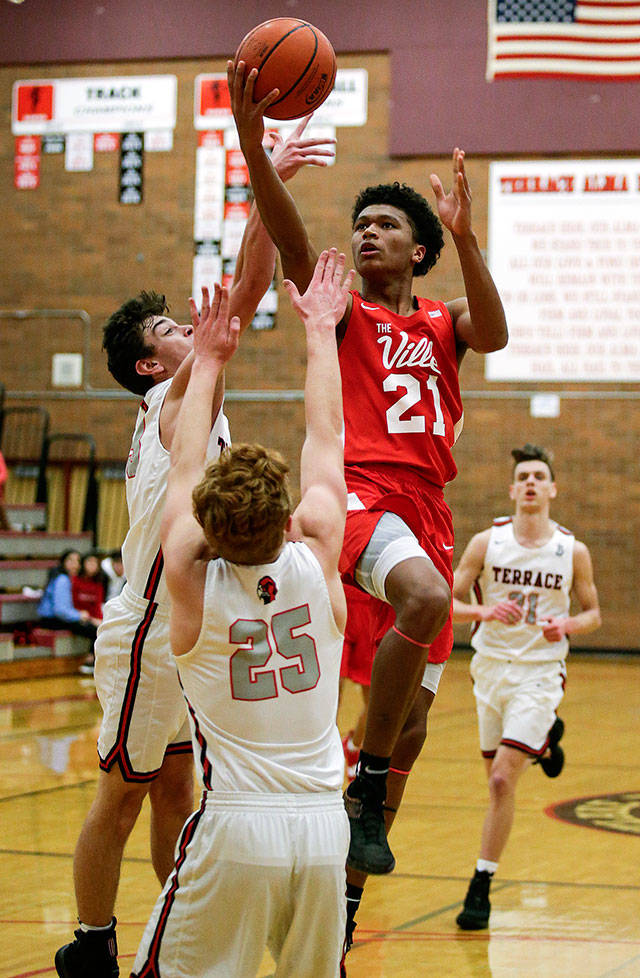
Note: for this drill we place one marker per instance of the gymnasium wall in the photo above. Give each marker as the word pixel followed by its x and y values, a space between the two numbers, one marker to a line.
pixel 71 246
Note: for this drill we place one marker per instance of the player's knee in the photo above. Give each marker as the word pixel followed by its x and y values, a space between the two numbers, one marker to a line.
pixel 424 608
pixel 500 785
pixel 174 794
pixel 117 807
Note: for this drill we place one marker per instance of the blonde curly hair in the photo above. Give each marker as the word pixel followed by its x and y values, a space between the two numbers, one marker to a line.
pixel 243 504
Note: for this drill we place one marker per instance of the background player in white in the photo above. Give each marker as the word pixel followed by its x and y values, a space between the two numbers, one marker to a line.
pixel 257 620
pixel 523 570
pixel 144 745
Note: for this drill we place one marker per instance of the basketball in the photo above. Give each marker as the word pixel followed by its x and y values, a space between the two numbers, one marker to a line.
pixel 294 57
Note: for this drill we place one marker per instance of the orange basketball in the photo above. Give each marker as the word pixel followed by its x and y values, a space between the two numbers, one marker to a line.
pixel 294 57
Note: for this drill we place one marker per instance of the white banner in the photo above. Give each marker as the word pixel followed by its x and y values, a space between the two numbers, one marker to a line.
pixel 134 103
pixel 564 251
pixel 346 106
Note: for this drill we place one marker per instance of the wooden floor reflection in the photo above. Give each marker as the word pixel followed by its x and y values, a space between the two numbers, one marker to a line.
pixel 566 901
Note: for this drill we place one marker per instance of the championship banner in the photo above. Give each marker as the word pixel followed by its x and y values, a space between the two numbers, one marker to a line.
pixel 134 103
pixel 345 106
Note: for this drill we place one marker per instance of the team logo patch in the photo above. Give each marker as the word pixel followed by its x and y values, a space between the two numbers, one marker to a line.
pixel 267 589
pixel 610 813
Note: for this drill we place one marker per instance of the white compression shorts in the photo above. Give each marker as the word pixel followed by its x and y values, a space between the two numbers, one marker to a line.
pixel 391 543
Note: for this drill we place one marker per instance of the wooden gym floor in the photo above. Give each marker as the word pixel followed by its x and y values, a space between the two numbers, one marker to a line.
pixel 566 900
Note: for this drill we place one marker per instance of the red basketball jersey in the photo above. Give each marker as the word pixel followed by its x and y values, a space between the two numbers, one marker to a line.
pixel 400 389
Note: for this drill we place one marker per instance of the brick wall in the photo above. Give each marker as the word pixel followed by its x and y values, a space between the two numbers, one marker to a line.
pixel 71 245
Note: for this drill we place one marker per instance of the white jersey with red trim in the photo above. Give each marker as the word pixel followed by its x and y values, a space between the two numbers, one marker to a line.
pixel 539 579
pixel 146 472
pixel 400 388
pixel 261 682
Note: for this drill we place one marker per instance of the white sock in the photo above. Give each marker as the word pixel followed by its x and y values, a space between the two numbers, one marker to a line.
pixel 87 928
pixel 486 866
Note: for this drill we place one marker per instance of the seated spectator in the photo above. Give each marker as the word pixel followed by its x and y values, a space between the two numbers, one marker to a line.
pixel 113 567
pixel 57 610
pixel 89 590
pixel 89 587
pixel 4 475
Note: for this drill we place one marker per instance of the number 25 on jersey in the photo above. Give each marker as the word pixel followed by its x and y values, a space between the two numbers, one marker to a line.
pixel 258 641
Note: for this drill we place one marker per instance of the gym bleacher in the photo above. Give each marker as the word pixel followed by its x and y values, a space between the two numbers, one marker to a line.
pixel 51 481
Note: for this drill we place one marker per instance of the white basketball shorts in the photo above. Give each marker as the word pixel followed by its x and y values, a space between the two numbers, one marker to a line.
pixel 144 709
pixel 516 702
pixel 253 872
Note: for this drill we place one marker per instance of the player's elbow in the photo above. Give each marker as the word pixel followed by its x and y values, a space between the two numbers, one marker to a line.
pixel 491 342
pixel 596 619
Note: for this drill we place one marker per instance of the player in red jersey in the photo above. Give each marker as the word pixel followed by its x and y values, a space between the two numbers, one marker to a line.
pixel 399 358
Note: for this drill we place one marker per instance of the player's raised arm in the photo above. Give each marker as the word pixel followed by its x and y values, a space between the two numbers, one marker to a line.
pixel 255 263
pixel 183 542
pixel 320 516
pixel 276 205
pixel 479 318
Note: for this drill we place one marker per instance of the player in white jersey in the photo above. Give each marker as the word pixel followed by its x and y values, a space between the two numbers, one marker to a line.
pixel 257 630
pixel 524 570
pixel 144 744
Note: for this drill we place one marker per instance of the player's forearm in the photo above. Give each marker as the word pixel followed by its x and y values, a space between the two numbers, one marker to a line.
pixel 464 613
pixel 584 621
pixel 322 457
pixel 323 387
pixel 193 426
pixel 489 325
pixel 255 268
pixel 278 210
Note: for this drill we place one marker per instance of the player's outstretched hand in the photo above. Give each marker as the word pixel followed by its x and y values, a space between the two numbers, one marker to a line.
pixel 290 155
pixel 249 115
pixel 215 337
pixel 323 304
pixel 454 208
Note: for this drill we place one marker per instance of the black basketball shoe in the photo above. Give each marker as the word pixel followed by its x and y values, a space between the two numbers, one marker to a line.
pixel 475 912
pixel 369 850
pixel 553 763
pixel 93 954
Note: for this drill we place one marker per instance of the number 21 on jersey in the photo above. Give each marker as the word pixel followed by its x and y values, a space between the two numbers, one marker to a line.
pixel 258 641
pixel 396 424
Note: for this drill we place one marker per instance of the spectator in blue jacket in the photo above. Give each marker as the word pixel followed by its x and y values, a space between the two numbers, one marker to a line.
pixel 56 609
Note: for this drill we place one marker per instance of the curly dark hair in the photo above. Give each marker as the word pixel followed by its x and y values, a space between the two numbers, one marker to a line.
pixel 533 453
pixel 124 341
pixel 425 225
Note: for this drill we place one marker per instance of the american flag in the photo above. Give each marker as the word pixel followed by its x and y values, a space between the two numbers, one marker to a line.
pixel 591 39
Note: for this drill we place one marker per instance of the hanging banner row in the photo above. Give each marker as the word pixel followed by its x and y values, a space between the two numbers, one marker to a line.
pixel 140 103
pixel 80 116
